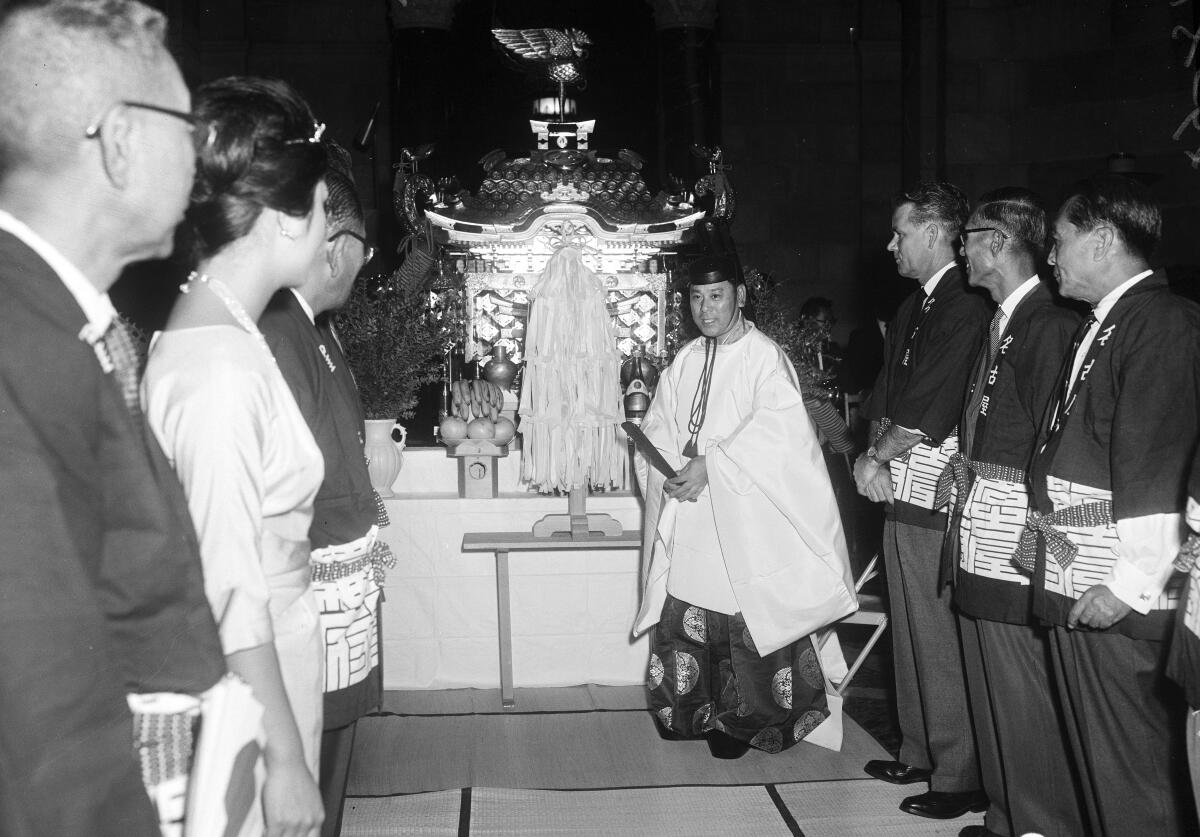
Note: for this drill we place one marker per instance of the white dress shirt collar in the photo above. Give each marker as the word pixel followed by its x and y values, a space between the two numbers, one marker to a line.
pixel 1010 303
pixel 96 306
pixel 931 283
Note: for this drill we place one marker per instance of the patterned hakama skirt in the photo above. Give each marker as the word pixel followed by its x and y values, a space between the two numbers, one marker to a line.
pixel 706 674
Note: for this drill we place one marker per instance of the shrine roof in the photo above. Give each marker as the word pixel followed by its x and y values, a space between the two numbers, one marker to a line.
pixel 515 191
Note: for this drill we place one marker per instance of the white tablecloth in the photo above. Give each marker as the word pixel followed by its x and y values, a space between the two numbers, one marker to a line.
pixel 571 611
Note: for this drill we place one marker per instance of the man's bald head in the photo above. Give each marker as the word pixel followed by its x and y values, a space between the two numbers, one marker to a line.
pixel 62 63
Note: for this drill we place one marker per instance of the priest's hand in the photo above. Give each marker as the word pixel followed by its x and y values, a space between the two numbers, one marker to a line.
pixel 1098 608
pixel 873 480
pixel 690 481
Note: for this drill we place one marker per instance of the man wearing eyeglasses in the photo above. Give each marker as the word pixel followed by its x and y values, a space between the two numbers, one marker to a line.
pixel 1022 747
pixel 1109 482
pixel 914 409
pixel 348 558
pixel 102 601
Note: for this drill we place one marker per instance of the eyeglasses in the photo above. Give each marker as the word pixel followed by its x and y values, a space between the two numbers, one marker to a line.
pixel 204 133
pixel 368 250
pixel 962 236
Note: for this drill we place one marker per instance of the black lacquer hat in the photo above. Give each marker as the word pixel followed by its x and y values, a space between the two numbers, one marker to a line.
pixel 712 270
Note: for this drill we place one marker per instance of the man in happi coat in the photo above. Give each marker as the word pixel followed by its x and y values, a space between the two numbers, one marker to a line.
pixel 348 558
pixel 1022 748
pixel 745 550
pixel 102 606
pixel 914 407
pixel 1183 665
pixel 1108 483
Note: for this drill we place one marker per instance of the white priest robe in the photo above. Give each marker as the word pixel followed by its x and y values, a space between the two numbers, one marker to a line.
pixel 764 538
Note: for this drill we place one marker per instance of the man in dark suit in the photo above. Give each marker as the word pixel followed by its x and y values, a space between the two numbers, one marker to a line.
pixel 348 557
pixel 102 597
pixel 915 407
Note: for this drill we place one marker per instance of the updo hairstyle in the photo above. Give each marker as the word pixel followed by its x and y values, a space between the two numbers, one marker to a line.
pixel 266 153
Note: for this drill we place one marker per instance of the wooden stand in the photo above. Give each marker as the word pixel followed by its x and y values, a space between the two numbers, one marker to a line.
pixel 577 523
pixel 477 478
pixel 502 543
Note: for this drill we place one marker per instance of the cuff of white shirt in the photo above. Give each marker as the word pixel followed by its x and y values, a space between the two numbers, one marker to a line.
pixel 1193 514
pixel 1146 550
pixel 1137 589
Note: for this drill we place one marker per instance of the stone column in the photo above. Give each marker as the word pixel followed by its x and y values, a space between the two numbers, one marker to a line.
pixel 688 83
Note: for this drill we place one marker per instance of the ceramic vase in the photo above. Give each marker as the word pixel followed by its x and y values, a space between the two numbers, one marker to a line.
pixel 501 370
pixel 383 454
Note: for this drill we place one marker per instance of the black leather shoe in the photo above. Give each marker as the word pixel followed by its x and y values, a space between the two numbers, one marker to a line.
pixel 896 772
pixel 724 746
pixel 940 805
pixel 977 831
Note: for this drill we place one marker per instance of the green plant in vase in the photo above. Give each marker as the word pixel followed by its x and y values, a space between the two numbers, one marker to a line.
pixel 394 343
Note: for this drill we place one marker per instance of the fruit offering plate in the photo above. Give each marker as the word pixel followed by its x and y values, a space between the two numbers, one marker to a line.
pixel 474 447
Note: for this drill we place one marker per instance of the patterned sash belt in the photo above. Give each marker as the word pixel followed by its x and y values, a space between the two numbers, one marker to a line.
pixel 1085 515
pixel 165 726
pixel 955 474
pixel 1188 553
pixel 333 562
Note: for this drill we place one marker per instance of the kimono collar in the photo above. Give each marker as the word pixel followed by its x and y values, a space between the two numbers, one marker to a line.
pixel 1104 306
pixel 304 306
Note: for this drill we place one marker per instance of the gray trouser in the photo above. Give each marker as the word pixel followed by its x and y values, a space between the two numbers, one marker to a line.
pixel 931 689
pixel 1022 745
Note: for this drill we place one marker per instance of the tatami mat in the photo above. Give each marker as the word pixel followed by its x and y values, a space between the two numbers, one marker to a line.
pixel 420 815
pixel 572 750
pixel 848 808
pixel 587 761
pixel 858 807
pixel 696 812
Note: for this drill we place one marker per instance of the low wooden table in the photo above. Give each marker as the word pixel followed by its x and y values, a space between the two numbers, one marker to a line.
pixel 503 543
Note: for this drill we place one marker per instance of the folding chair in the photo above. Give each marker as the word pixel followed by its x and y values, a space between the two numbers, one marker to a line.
pixel 870 612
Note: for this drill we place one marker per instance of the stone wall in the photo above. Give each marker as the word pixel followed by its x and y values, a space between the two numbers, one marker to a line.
pixel 811 123
pixel 822 130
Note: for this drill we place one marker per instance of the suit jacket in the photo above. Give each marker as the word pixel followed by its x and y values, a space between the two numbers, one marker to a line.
pixel 927 364
pixel 1129 438
pixel 320 379
pixel 102 592
pixel 1036 341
